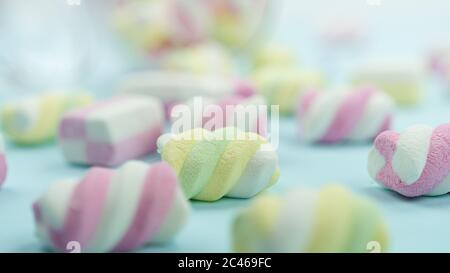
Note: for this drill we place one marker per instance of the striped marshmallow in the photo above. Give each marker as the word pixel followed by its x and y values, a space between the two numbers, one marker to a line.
pixel 357 115
pixel 413 163
pixel 330 220
pixel 34 120
pixel 112 131
pixel 112 210
pixel 226 162
pixel 246 113
pixel 3 166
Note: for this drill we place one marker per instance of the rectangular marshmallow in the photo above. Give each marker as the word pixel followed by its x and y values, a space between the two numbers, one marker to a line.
pixel 403 81
pixel 172 86
pixel 112 131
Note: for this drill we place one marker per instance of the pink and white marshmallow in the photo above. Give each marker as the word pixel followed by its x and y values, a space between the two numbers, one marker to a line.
pixel 350 115
pixel 113 131
pixel 414 162
pixel 3 166
pixel 112 210
pixel 248 114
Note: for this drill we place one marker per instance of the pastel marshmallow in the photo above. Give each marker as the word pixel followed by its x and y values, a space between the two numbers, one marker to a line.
pixel 282 85
pixel 175 87
pixel 403 81
pixel 201 59
pixel 330 220
pixel 111 132
pixel 413 163
pixel 344 115
pixel 273 55
pixel 226 162
pixel 238 24
pixel 156 27
pixel 34 120
pixel 246 113
pixel 344 32
pixel 112 210
pixel 3 165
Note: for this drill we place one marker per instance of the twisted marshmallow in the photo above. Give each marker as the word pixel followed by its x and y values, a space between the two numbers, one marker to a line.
pixel 338 116
pixel 226 162
pixel 331 220
pixel 112 210
pixel 35 120
pixel 3 166
pixel 413 163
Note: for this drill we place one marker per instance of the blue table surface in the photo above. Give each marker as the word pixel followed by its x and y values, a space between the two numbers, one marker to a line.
pixel 420 224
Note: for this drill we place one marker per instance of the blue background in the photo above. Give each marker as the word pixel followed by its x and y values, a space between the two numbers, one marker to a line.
pixel 395 29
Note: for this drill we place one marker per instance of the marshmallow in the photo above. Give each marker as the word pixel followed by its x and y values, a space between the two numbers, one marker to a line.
pixel 202 59
pixel 34 120
pixel 282 85
pixel 226 162
pixel 112 131
pixel 112 210
pixel 157 26
pixel 338 116
pixel 331 220
pixel 175 87
pixel 439 61
pixel 238 23
pixel 413 163
pixel 246 113
pixel 404 82
pixel 273 55
pixel 343 33
pixel 3 166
